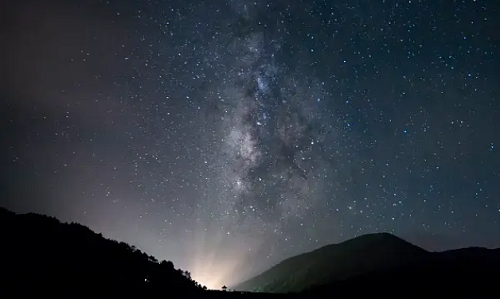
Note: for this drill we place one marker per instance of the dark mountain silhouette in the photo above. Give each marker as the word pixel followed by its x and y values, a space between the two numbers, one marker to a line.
pixel 333 262
pixel 462 273
pixel 382 265
pixel 40 255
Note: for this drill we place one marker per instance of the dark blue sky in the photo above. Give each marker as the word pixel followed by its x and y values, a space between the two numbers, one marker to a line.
pixel 228 135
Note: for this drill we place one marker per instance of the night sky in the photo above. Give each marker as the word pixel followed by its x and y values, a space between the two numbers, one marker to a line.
pixel 227 135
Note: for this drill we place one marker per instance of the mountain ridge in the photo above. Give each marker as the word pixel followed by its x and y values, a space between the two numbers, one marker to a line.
pixel 353 258
pixel 40 254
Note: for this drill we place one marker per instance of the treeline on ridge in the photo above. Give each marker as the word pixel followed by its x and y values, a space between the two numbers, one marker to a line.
pixel 39 254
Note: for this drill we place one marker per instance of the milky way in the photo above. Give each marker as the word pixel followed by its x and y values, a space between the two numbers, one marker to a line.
pixel 270 164
pixel 228 135
pixel 270 131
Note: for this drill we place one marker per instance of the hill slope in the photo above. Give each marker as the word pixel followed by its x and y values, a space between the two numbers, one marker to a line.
pixel 39 254
pixel 378 264
pixel 333 262
pixel 463 273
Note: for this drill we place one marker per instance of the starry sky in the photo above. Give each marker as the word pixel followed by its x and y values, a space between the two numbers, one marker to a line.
pixel 228 135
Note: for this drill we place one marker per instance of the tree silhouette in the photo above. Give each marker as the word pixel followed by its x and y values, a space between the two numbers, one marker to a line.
pixel 186 274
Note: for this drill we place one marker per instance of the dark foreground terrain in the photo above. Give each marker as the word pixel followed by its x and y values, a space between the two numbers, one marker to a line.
pixel 40 256
pixel 386 266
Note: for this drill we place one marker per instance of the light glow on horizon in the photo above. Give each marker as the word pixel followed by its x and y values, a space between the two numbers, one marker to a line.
pixel 221 259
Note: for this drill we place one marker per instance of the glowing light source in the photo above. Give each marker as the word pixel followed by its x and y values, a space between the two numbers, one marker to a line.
pixel 221 259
